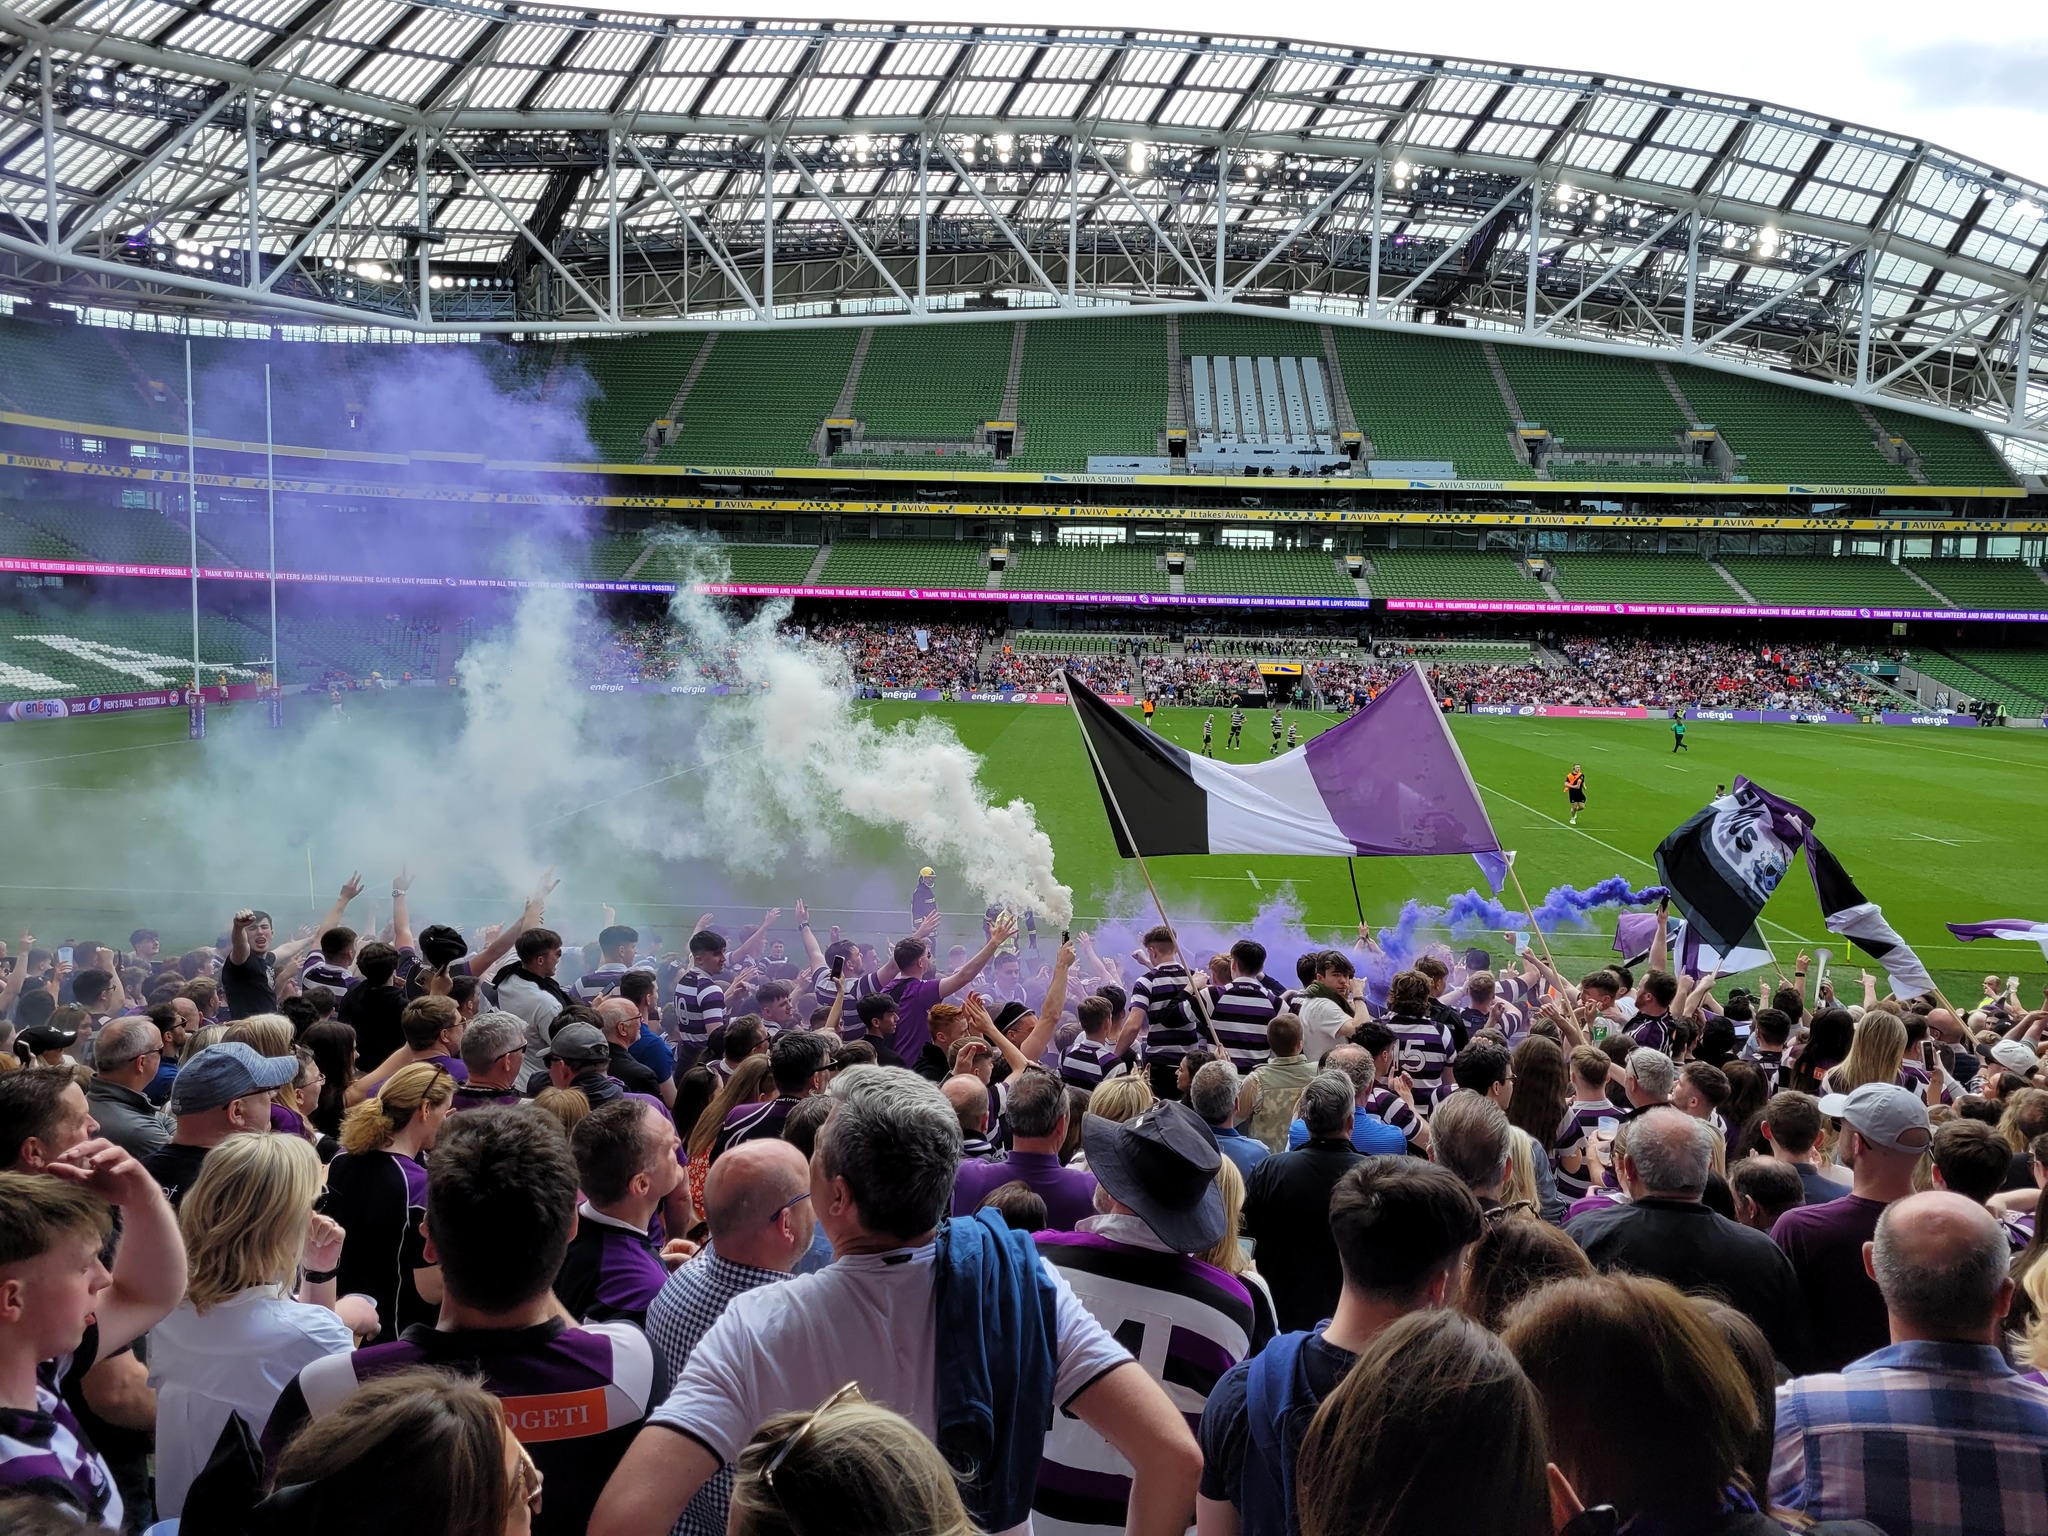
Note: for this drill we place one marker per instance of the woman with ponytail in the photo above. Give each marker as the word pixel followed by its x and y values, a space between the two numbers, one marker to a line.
pixel 377 1190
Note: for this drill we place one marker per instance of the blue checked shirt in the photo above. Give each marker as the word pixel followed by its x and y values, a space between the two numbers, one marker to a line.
pixel 1921 1439
pixel 682 1312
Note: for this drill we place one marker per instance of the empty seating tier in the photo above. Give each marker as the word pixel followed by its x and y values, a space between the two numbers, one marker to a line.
pixel 1268 572
pixel 1248 336
pixel 762 397
pixel 1084 568
pixel 1949 454
pixel 1984 583
pixel 1090 386
pixel 904 563
pixel 1783 436
pixel 1588 399
pixel 932 383
pixel 1672 578
pixel 1845 582
pixel 1420 398
pixel 1443 573
pixel 2016 679
pixel 633 381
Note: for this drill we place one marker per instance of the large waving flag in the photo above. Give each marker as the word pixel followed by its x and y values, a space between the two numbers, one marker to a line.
pixel 2003 928
pixel 1845 911
pixel 1388 781
pixel 1722 865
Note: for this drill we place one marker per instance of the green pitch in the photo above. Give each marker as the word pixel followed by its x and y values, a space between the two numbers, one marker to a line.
pixel 1935 824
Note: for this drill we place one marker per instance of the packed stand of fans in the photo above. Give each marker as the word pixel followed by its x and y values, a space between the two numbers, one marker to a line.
pixel 1659 674
pixel 894 655
pixel 945 1229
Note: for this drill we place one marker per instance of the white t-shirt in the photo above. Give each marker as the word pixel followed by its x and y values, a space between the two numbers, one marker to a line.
pixel 1320 1021
pixel 867 1318
pixel 236 1357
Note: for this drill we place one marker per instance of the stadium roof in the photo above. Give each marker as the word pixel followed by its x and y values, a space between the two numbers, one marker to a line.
pixel 437 164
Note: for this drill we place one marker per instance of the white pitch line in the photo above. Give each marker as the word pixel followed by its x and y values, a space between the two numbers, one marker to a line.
pixel 1946 842
pixel 1254 880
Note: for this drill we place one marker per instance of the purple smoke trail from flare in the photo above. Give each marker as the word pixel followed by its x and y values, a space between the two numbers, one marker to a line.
pixel 1279 925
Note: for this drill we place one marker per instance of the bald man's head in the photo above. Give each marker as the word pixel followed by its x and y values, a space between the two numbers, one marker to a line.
pixel 1940 1261
pixel 621 1019
pixel 748 1184
pixel 969 1098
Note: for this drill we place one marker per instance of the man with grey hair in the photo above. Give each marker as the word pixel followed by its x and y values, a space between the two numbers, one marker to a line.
pixel 1287 1205
pixel 1666 1232
pixel 125 1060
pixel 1038 1111
pixel 1934 1434
pixel 903 1279
pixel 1475 1141
pixel 1648 1080
pixel 1371 1135
pixel 1212 1094
pixel 494 1051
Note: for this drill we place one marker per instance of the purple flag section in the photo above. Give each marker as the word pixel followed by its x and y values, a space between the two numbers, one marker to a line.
pixel 2003 928
pixel 1394 782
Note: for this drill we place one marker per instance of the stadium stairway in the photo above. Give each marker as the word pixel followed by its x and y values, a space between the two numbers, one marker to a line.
pixel 1729 576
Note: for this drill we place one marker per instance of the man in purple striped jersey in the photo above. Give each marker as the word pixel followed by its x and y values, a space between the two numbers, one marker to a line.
pixel 1240 1010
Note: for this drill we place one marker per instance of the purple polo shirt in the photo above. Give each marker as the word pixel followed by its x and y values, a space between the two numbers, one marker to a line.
pixel 914 1003
pixel 1069 1193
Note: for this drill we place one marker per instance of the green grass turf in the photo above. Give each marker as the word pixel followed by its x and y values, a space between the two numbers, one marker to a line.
pixel 1936 826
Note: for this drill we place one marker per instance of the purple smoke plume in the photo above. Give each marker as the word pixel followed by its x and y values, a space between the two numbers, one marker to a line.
pixel 1279 926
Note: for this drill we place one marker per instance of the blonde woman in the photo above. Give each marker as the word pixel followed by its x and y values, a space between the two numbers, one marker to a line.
pixel 259 1301
pixel 1876 1053
pixel 1119 1099
pixel 851 1468
pixel 377 1190
pixel 1233 1257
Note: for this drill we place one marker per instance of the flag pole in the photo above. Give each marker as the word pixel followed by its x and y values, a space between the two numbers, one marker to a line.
pixel 1131 842
pixel 1352 866
pixel 1534 926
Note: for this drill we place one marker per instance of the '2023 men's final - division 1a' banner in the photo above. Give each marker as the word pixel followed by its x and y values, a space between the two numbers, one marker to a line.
pixel 1388 781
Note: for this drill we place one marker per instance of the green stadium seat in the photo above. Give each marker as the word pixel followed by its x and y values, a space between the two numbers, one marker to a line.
pixel 1085 568
pixel 1949 454
pixel 1843 582
pixel 932 383
pixel 1418 397
pixel 1266 572
pixel 1669 578
pixel 1444 573
pixel 1249 336
pixel 1586 399
pixel 1095 385
pixel 904 563
pixel 1985 583
pixel 2016 679
pixel 1785 436
pixel 762 397
pixel 634 381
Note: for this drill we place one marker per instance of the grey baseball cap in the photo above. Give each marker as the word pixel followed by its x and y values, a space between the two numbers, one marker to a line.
pixel 222 1073
pixel 579 1045
pixel 1884 1114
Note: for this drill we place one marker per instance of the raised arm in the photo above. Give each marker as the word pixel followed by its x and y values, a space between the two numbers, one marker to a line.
pixel 149 1270
pixel 1000 932
pixel 530 915
pixel 978 1018
pixel 351 888
pixel 838 1007
pixel 401 914
pixel 1049 1010
pixel 1660 945
pixel 752 941
pixel 813 955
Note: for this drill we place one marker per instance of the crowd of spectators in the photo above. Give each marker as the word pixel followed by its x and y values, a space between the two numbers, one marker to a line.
pixel 1209 670
pixel 521 1231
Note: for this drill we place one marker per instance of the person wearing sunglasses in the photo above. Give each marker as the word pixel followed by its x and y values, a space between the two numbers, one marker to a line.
pixel 849 1467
